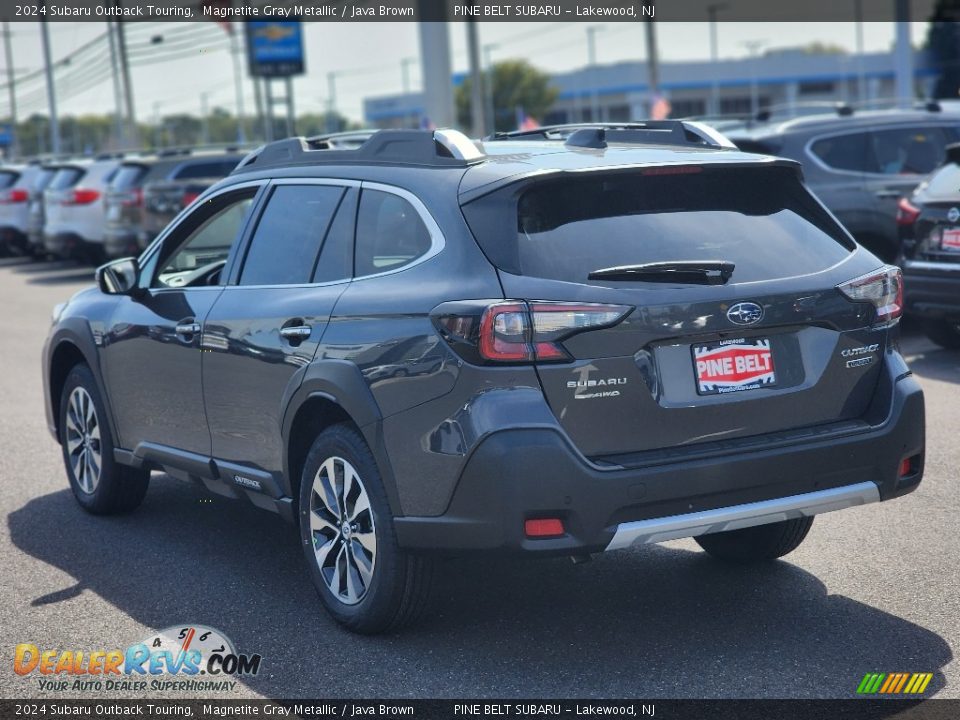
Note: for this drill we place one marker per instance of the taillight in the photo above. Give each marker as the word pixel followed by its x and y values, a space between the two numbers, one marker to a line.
pixel 81 196
pixel 520 332
pixel 134 198
pixel 14 195
pixel 189 197
pixel 883 288
pixel 907 212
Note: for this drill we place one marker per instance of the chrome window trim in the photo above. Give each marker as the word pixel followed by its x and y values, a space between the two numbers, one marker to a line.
pixel 808 148
pixel 735 517
pixel 437 241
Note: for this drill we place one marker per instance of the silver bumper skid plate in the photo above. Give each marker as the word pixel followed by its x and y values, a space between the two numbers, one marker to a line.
pixel 656 530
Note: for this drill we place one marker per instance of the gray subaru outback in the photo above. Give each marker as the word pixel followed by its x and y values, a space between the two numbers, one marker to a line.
pixel 557 342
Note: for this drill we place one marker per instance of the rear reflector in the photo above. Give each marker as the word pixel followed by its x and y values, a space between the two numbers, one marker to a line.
pixel 543 527
pixel 904 467
pixel 883 288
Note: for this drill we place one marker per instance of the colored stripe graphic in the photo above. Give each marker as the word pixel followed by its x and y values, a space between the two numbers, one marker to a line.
pixel 894 683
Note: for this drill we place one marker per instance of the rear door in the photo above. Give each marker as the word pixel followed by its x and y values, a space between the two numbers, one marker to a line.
pixel 59 193
pixel 691 362
pixel 266 326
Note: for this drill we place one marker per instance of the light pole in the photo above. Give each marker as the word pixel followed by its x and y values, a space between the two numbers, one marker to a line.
pixel 753 47
pixel 331 101
pixel 14 135
pixel 478 119
pixel 861 73
pixel 488 64
pixel 712 11
pixel 51 91
pixel 238 84
pixel 592 31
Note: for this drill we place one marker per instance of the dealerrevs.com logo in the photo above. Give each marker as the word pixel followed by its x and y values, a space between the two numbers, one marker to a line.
pixel 184 657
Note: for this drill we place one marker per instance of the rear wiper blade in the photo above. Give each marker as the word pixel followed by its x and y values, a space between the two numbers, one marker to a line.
pixel 701 272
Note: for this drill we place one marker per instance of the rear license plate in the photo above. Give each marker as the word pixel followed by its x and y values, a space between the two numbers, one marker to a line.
pixel 950 240
pixel 733 365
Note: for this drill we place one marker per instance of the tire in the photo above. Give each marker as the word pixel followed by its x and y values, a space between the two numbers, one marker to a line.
pixel 756 544
pixel 365 581
pixel 101 486
pixel 944 332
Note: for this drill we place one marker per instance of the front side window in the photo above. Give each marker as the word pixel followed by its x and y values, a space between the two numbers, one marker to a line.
pixel 289 235
pixel 390 233
pixel 199 253
pixel 851 152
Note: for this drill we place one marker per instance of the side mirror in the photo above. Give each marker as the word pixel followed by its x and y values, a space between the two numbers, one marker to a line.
pixel 120 277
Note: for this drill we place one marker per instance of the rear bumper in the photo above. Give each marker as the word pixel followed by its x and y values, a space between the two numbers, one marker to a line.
pixel 932 289
pixel 519 474
pixel 70 245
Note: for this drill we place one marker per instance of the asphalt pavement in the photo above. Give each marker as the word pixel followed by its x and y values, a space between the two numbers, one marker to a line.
pixel 873 589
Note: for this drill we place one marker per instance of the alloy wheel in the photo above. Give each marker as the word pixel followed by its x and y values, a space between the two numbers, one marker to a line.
pixel 342 529
pixel 83 440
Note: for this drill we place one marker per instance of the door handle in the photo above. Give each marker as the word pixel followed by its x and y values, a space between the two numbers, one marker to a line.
pixel 188 328
pixel 296 333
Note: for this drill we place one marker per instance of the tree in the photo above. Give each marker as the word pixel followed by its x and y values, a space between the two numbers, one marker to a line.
pixel 822 48
pixel 516 83
pixel 943 43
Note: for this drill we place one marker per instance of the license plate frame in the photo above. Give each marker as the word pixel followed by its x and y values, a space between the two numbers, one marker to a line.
pixel 735 365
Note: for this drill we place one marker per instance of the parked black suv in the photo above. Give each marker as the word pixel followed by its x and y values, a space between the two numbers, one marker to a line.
pixel 929 224
pixel 593 337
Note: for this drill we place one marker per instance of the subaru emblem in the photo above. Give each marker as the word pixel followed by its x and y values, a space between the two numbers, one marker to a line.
pixel 745 313
pixel 953 214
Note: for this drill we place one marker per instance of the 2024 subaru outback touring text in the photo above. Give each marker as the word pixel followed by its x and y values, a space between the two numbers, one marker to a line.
pixel 558 342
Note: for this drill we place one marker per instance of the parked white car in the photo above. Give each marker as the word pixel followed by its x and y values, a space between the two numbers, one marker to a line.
pixel 74 206
pixel 14 194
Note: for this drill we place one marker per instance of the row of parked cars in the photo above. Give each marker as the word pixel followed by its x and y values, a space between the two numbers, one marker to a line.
pixel 892 178
pixel 108 206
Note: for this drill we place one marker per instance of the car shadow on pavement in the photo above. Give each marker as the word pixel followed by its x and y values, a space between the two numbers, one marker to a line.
pixel 64 278
pixel 937 364
pixel 651 622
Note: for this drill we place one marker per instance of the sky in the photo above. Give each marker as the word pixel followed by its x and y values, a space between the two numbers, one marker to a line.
pixel 367 58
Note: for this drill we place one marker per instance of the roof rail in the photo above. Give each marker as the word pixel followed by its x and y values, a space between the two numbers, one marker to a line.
pixel 427 148
pixel 642 132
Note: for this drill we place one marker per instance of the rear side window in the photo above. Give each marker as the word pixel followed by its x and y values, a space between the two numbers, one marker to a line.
pixel 8 179
pixel 761 219
pixel 390 233
pixel 909 151
pixel 852 152
pixel 206 169
pixel 65 177
pixel 289 235
pixel 128 176
pixel 43 179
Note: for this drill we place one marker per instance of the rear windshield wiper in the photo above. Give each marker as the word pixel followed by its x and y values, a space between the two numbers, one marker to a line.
pixel 700 272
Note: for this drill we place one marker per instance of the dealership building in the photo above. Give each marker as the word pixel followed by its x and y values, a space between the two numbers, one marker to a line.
pixel 620 92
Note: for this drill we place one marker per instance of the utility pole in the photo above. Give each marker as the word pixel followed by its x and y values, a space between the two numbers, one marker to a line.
pixel 477 104
pixel 592 31
pixel 753 47
pixel 204 119
pixel 118 131
pixel 51 90
pixel 125 74
pixel 653 58
pixel 488 64
pixel 291 117
pixel 14 135
pixel 861 73
pixel 712 11
pixel 238 85
pixel 903 55
pixel 331 101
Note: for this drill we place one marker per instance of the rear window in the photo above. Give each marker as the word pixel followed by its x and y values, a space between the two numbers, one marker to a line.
pixel 8 178
pixel 761 219
pixel 127 177
pixel 207 169
pixel 64 178
pixel 43 179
